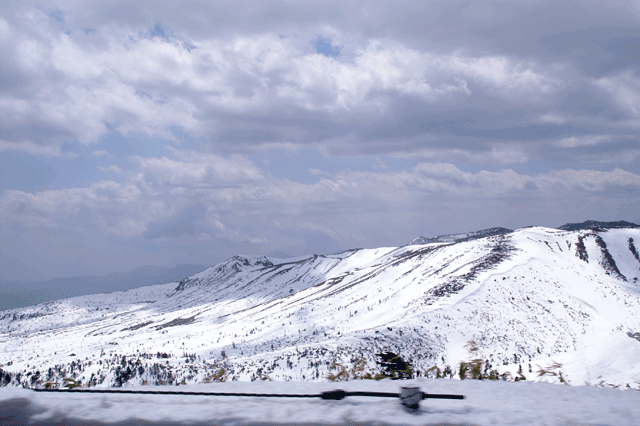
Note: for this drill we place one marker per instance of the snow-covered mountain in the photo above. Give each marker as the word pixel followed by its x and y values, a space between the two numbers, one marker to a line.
pixel 531 300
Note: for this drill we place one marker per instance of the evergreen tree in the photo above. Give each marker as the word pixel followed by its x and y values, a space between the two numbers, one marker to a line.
pixel 394 366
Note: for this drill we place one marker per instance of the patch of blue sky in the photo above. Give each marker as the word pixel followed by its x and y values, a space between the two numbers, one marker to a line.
pixel 164 32
pixel 56 14
pixel 60 17
pixel 125 145
pixel 160 30
pixel 158 98
pixel 26 172
pixel 32 173
pixel 79 166
pixel 325 47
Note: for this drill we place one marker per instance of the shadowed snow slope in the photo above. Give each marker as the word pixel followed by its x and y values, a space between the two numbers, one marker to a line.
pixel 527 299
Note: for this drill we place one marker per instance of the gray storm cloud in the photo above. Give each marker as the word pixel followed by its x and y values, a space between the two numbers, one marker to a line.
pixel 251 76
pixel 494 114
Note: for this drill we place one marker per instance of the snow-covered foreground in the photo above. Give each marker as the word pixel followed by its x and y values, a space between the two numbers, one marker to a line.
pixel 485 403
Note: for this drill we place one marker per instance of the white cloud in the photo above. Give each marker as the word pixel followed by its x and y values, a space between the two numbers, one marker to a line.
pixel 553 118
pixel 510 77
pixel 112 168
pixel 101 200
pixel 5 30
pixel 430 85
pixel 198 170
pixel 591 181
pixel 76 85
pixel 587 140
pixel 624 89
pixel 502 153
pixel 210 196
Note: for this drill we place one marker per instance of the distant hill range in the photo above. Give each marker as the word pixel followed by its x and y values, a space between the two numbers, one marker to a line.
pixel 474 235
pixel 594 224
pixel 279 254
pixel 457 238
pixel 21 294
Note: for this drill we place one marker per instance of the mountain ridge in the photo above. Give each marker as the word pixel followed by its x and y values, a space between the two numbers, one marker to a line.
pixel 460 237
pixel 591 224
pixel 467 236
pixel 528 299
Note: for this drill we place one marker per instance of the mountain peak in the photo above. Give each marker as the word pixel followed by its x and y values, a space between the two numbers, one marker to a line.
pixel 590 224
pixel 279 254
pixel 456 238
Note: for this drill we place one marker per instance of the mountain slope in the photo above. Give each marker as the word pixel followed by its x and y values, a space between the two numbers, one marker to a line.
pixel 526 298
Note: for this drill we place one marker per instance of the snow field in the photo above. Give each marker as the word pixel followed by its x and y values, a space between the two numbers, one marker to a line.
pixel 486 403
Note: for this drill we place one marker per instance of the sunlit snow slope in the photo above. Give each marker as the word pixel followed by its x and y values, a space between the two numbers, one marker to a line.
pixel 527 298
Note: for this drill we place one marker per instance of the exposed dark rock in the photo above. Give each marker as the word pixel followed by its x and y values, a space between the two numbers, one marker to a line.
pixel 633 249
pixel 176 322
pixel 581 250
pixel 138 326
pixel 607 262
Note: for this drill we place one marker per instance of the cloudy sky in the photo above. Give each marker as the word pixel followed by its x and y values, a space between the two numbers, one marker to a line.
pixel 157 133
